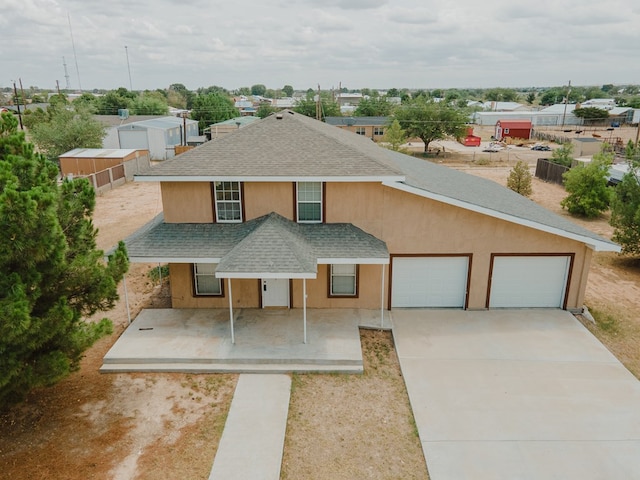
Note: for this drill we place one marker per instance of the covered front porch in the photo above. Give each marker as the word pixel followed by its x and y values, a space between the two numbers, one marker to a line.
pixel 266 341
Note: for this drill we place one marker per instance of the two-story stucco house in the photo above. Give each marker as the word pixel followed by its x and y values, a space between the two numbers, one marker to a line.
pixel 291 212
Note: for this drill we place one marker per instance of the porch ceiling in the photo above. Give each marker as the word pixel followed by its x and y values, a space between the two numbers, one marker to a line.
pixel 270 246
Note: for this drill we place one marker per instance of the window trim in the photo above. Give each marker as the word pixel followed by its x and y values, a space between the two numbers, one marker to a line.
pixel 194 283
pixel 321 202
pixel 356 279
pixel 215 202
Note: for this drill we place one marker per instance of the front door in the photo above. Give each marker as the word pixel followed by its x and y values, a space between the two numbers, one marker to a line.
pixel 275 292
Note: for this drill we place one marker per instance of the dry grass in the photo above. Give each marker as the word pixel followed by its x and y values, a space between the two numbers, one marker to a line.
pixel 354 426
pixel 152 426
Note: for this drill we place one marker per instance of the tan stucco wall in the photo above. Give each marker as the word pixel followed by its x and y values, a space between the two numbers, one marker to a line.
pixel 368 129
pixel 263 198
pixel 440 228
pixel 318 290
pixel 245 293
pixel 187 202
pixel 407 223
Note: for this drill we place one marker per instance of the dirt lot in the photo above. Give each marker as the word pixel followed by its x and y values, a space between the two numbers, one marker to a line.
pixel 151 426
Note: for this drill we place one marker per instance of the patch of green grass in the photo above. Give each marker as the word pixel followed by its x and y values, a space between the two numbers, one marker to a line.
pixel 296 381
pixel 606 322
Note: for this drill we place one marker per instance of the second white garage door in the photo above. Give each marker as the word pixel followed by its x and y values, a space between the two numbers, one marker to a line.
pixel 429 282
pixel 529 281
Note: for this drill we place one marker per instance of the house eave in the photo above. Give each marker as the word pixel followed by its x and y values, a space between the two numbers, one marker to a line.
pixel 593 243
pixel 351 261
pixel 271 178
pixel 159 259
pixel 281 275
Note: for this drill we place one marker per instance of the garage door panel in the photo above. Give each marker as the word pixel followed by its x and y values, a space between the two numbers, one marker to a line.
pixel 529 281
pixel 436 282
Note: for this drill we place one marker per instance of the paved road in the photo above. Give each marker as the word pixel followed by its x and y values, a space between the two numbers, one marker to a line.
pixel 520 394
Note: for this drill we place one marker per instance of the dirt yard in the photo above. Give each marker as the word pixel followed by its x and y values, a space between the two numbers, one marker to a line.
pixel 151 426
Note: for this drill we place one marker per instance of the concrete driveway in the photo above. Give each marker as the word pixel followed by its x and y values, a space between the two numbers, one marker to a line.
pixel 517 394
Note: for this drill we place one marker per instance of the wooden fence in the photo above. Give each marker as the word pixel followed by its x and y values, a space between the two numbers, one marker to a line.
pixel 106 179
pixel 549 171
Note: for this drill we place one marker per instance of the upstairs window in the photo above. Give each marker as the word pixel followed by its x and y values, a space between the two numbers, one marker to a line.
pixel 309 202
pixel 228 198
pixel 378 131
pixel 361 130
pixel 205 281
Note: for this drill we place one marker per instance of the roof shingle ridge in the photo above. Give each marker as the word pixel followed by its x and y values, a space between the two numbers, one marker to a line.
pixel 346 139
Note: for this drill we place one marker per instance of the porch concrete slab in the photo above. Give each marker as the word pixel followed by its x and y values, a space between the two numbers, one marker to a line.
pixel 518 394
pixel 200 339
pixel 253 438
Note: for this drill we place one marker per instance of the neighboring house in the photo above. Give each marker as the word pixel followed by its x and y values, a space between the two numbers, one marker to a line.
pixel 513 129
pixel 245 107
pixel 349 99
pixel 221 129
pixel 282 103
pixel 158 135
pixel 290 212
pixel 370 127
pixel 348 102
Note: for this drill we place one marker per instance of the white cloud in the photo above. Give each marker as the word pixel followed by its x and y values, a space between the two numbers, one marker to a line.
pixel 361 43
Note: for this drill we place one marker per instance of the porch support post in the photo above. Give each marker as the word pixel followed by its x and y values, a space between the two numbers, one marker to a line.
pixel 233 337
pixel 304 309
pixel 382 298
pixel 126 297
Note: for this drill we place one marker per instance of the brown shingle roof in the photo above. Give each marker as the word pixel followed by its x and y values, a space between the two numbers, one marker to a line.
pixel 270 244
pixel 312 149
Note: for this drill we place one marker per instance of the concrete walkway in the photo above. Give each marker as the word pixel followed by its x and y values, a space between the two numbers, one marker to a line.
pixel 518 394
pixel 253 437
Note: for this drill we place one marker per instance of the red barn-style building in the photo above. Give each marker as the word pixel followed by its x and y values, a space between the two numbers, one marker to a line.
pixel 513 129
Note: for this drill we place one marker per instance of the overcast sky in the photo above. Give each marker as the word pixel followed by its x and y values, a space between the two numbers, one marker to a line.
pixel 303 43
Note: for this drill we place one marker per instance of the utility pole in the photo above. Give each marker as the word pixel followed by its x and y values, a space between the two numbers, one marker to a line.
pixel 184 127
pixel 66 76
pixel 318 106
pixel 24 98
pixel 58 87
pixel 15 91
pixel 566 99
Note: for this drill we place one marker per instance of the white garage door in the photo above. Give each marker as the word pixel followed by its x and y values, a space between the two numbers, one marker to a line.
pixel 529 282
pixel 133 139
pixel 435 282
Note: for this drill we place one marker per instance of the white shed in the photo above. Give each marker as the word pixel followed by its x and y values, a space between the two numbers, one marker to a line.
pixel 159 136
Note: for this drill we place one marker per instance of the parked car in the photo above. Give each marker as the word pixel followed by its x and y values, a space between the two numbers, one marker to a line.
pixel 541 148
pixel 493 147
